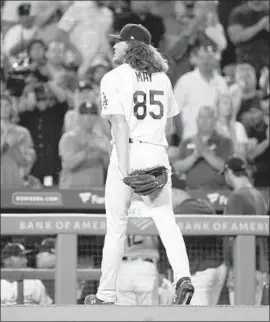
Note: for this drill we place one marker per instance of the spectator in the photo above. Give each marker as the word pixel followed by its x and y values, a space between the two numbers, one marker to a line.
pixel 37 59
pixel 94 75
pixel 247 101
pixel 42 110
pixel 19 36
pixel 63 78
pixel 228 127
pixel 87 92
pixel 83 94
pixel 16 146
pixel 45 259
pixel 84 154
pixel 14 257
pixel 197 24
pixel 150 21
pixel 248 29
pixel 213 28
pixel 208 272
pixel 245 200
pixel 202 157
pixel 123 14
pixel 84 29
pixel 46 255
pixel 37 53
pixel 261 152
pixel 48 14
pixel 209 84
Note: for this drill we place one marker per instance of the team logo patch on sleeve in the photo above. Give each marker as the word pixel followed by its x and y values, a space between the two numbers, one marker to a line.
pixel 104 100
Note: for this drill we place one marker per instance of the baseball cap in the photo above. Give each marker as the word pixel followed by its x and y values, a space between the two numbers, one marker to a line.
pixel 236 164
pixel 14 249
pixel 134 32
pixel 48 245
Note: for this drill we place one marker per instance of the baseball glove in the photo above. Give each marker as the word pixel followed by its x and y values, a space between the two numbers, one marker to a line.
pixel 147 181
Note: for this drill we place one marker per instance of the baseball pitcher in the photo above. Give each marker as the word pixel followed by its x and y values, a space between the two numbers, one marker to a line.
pixel 137 99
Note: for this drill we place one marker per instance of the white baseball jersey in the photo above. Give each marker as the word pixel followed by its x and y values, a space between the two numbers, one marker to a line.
pixel 147 101
pixel 34 292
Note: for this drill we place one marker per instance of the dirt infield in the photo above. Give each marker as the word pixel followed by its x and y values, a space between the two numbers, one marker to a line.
pixel 138 313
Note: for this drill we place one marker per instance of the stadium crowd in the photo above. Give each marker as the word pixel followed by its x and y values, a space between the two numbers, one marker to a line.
pixel 53 57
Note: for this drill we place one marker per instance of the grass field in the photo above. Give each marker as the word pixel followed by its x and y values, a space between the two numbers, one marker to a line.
pixel 138 313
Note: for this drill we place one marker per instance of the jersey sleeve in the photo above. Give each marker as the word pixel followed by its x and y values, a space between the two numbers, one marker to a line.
pixel 110 98
pixel 173 106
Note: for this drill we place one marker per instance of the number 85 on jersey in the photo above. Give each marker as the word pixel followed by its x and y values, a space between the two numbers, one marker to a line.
pixel 148 103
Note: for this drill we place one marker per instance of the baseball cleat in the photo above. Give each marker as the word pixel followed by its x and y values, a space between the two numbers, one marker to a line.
pixel 183 292
pixel 91 299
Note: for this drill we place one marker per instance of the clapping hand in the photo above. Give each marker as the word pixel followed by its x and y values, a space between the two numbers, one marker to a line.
pixel 264 23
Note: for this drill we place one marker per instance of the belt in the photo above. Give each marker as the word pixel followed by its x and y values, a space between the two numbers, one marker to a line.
pixel 134 258
pixel 137 141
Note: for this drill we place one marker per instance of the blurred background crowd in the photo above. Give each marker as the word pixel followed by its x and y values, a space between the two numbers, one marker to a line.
pixel 55 53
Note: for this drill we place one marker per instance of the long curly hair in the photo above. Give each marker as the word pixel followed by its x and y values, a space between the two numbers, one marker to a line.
pixel 145 58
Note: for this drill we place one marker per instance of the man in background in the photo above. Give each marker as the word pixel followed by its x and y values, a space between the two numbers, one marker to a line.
pixel 45 259
pixel 190 97
pixel 14 257
pixel 245 200
pixel 201 157
pixel 248 30
pixel 19 36
pixel 198 21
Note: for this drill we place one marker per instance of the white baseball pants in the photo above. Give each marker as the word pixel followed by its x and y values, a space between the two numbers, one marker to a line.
pixel 117 202
pixel 208 285
pixel 137 283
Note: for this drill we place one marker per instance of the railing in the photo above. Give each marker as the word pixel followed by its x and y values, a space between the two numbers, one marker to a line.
pixel 68 226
